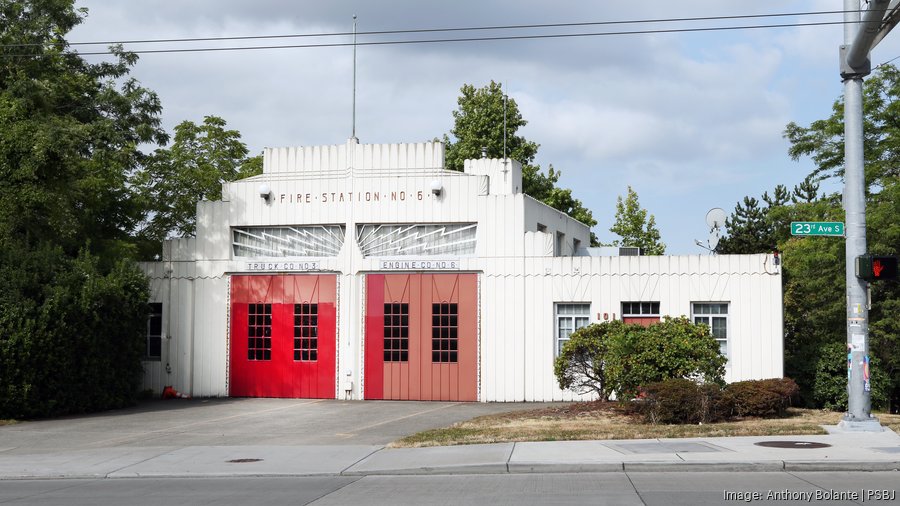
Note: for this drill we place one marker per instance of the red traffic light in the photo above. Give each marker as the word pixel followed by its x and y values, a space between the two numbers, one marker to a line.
pixel 876 268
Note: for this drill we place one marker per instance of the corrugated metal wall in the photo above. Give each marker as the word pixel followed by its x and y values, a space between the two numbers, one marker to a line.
pixel 518 324
pixel 519 278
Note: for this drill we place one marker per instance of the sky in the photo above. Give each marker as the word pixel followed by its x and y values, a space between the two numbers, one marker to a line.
pixel 691 121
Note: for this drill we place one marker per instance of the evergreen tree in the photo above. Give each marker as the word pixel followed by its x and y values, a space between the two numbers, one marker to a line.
pixel 747 229
pixel 806 191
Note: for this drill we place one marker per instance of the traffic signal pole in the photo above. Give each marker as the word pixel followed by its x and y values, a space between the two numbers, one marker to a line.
pixel 855 65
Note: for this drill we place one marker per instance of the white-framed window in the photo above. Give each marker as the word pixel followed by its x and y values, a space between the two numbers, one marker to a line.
pixel 570 316
pixel 715 315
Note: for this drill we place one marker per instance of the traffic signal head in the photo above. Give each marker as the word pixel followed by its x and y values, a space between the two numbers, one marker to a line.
pixel 876 268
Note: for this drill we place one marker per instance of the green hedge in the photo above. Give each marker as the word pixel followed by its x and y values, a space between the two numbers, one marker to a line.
pixel 71 336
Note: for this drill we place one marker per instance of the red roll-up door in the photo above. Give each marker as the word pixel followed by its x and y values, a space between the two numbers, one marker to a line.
pixel 283 336
pixel 421 337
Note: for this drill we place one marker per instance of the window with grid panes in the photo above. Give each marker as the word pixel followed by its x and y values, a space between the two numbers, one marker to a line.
pixel 715 315
pixel 569 318
pixel 640 309
pixel 306 332
pixel 396 332
pixel 154 333
pixel 444 332
pixel 259 332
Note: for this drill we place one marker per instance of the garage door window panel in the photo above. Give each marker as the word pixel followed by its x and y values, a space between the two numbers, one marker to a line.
pixel 259 332
pixel 444 333
pixel 306 332
pixel 396 332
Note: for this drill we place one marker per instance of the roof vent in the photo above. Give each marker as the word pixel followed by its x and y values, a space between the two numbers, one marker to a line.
pixel 629 251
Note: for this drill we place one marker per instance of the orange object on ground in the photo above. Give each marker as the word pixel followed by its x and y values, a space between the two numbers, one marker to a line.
pixel 170 393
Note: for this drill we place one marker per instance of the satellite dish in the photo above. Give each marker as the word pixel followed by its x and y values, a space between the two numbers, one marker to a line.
pixel 713 240
pixel 715 218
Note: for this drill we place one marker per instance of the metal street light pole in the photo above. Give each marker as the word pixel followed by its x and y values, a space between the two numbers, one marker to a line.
pixel 858 39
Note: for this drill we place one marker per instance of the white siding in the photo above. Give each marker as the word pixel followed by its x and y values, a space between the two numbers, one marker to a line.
pixel 520 279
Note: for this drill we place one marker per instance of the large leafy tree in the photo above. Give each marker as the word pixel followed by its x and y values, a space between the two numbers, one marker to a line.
pixel 72 305
pixel 478 124
pixel 635 227
pixel 201 158
pixel 823 142
pixel 69 133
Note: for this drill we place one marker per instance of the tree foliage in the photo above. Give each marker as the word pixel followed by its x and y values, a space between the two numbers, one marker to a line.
pixel 614 357
pixel 635 228
pixel 201 158
pixel 673 348
pixel 814 301
pixel 823 140
pixel 71 332
pixel 581 367
pixel 748 230
pixel 72 307
pixel 69 134
pixel 478 123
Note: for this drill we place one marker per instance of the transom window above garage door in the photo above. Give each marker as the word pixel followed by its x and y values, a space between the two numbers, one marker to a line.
pixel 416 239
pixel 296 241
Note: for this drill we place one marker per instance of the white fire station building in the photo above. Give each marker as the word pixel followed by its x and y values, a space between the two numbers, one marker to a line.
pixel 369 271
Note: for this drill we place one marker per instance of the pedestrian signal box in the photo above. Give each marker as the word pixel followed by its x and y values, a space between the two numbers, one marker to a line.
pixel 876 268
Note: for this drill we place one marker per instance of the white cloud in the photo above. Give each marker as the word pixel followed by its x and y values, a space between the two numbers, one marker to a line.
pixel 685 118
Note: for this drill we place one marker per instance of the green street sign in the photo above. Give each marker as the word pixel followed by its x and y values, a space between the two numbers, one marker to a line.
pixel 807 228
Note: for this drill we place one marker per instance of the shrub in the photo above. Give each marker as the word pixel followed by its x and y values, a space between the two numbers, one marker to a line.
pixel 682 401
pixel 830 379
pixel 673 348
pixel 762 398
pixel 614 357
pixel 71 335
pixel 582 364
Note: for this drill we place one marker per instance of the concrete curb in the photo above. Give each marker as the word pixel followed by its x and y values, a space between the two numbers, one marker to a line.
pixel 818 465
pixel 517 468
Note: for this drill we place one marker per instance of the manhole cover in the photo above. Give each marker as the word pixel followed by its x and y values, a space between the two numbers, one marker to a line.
pixel 242 461
pixel 791 444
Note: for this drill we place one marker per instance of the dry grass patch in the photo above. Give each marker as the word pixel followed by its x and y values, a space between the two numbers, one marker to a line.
pixel 6 422
pixel 598 420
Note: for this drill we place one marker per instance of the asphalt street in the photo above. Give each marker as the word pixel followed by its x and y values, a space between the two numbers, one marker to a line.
pixel 624 488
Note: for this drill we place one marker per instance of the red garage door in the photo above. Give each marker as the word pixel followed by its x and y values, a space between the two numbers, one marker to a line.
pixel 421 337
pixel 283 336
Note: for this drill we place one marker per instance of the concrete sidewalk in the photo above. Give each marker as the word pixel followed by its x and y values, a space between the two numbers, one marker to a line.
pixel 844 452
